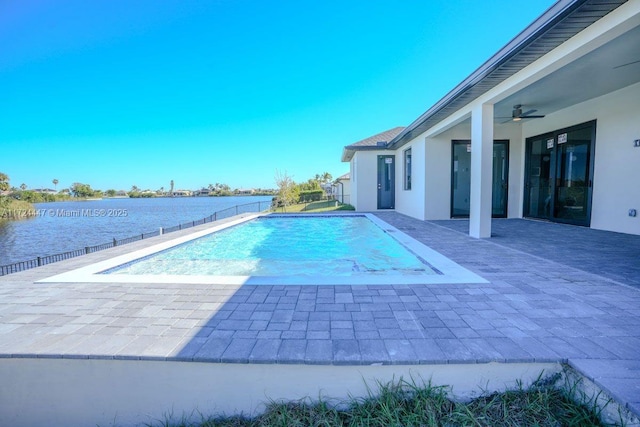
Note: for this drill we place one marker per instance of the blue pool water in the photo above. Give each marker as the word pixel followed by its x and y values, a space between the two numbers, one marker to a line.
pixel 285 246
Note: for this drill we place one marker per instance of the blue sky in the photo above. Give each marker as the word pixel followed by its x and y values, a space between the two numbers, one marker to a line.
pixel 119 93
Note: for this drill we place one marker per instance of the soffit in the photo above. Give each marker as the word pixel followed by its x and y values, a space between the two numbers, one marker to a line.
pixel 560 23
pixel 611 67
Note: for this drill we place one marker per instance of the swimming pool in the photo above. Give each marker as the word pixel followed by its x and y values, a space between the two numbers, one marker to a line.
pixel 285 246
pixel 348 249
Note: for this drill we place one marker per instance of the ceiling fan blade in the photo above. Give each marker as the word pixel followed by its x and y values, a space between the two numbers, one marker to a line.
pixel 531 117
pixel 624 65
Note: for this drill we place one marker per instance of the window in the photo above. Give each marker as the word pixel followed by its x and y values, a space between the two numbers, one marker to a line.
pixel 407 169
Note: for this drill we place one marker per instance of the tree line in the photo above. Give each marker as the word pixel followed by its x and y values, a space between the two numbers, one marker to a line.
pixel 85 191
pixel 290 192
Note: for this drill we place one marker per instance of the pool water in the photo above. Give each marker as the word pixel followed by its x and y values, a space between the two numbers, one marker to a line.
pixel 286 246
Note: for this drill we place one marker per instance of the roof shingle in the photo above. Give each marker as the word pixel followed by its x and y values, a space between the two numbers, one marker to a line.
pixel 378 141
pixel 372 141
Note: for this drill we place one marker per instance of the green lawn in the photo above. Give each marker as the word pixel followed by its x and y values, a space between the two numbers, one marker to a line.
pixel 314 207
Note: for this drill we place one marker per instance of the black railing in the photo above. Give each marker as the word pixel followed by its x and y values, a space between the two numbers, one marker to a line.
pixel 225 213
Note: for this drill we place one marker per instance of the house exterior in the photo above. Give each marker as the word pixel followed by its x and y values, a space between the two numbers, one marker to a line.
pixel 363 157
pixel 45 191
pixel 547 128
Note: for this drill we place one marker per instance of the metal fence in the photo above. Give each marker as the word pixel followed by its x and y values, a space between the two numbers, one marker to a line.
pixel 225 213
pixel 338 202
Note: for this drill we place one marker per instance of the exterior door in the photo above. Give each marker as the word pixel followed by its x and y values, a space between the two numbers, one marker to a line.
pixel 386 182
pixel 500 181
pixel 559 169
pixel 461 178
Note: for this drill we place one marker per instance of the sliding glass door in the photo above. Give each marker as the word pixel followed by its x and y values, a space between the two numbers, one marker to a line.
pixel 558 175
pixel 461 178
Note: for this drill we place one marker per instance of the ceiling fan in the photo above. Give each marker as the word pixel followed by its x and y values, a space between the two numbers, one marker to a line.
pixel 517 114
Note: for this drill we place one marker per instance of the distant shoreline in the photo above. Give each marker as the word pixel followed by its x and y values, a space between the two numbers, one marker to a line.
pixel 14 210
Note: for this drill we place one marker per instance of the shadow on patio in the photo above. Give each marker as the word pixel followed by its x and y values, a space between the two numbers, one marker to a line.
pixel 550 299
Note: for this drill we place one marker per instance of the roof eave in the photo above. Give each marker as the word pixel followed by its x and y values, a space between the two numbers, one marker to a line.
pixel 347 154
pixel 349 151
pixel 537 30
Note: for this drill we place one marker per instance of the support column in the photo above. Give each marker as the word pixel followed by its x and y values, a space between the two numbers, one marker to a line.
pixel 481 171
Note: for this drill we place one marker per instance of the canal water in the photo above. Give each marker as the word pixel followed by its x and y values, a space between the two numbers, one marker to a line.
pixel 66 226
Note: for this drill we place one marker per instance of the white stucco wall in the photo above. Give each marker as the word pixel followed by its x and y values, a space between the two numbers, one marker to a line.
pixel 86 392
pixel 364 187
pixel 617 162
pixel 516 168
pixel 353 172
pixel 411 202
pixel 438 176
pixel 430 196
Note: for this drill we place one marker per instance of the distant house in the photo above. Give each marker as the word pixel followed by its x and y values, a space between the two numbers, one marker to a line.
pixel 181 193
pixel 245 191
pixel 202 192
pixel 342 188
pixel 44 191
pixel 547 128
pixel 121 193
pixel 328 189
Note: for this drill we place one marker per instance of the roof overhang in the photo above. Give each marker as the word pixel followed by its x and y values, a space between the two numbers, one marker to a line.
pixel 378 141
pixel 558 24
pixel 349 151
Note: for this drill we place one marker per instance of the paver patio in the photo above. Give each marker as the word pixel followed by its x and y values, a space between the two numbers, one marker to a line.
pixel 544 303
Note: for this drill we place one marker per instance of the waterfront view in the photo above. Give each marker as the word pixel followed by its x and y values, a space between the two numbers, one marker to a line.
pixel 314 213
pixel 65 226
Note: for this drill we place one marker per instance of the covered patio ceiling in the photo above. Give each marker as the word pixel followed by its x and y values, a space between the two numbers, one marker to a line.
pixel 608 68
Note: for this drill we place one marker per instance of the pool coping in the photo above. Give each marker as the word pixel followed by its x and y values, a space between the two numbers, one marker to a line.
pixel 446 270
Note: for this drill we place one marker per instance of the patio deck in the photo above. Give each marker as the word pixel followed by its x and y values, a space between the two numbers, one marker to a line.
pixel 556 294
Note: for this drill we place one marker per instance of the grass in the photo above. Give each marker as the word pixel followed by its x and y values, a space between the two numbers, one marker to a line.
pixel 315 207
pixel 407 404
pixel 15 209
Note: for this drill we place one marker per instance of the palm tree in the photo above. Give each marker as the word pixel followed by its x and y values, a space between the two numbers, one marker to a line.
pixel 4 181
pixel 326 177
pixel 55 184
pixel 23 186
pixel 171 189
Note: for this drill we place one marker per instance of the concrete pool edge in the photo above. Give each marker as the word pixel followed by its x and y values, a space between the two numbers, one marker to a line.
pixel 452 273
